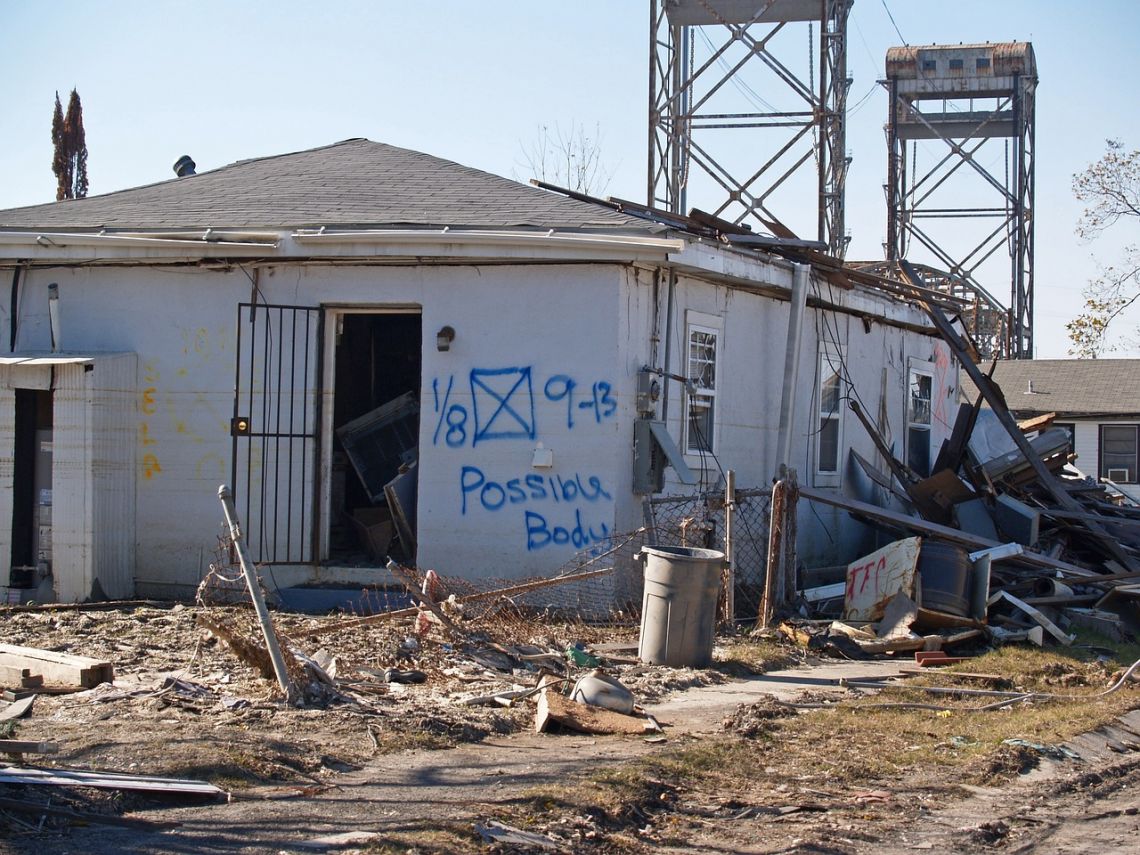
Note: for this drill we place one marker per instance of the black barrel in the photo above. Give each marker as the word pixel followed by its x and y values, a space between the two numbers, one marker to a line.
pixel 945 572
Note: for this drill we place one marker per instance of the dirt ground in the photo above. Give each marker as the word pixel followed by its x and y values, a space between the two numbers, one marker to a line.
pixel 374 766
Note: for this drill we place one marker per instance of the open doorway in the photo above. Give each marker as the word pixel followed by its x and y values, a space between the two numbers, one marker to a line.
pixel 31 489
pixel 376 383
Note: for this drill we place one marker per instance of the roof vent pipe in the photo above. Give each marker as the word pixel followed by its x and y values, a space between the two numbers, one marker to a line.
pixel 184 166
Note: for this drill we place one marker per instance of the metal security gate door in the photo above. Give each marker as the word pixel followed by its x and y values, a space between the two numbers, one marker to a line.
pixel 275 430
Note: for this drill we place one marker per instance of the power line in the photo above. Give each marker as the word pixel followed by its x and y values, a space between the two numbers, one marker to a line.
pixel 893 24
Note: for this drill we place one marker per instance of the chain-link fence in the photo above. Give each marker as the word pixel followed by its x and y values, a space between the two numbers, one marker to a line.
pixel 701 520
pixel 598 587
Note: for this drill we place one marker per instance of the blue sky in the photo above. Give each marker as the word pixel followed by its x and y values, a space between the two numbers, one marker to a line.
pixel 473 82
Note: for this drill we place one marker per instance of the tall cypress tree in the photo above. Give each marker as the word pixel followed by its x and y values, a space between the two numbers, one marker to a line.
pixel 59 161
pixel 77 146
pixel 69 161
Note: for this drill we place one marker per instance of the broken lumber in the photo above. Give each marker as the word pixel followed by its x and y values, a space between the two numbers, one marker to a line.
pixel 17 709
pixel 1045 623
pixel 57 668
pixel 556 708
pixel 107 781
pixel 18 746
pixel 22 678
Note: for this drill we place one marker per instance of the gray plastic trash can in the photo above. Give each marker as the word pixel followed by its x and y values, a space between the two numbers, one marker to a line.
pixel 678 610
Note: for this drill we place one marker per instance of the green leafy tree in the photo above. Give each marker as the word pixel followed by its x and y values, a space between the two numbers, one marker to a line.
pixel 69 157
pixel 1111 190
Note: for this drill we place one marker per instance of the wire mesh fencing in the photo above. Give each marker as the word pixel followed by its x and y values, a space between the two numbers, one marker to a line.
pixel 600 587
pixel 701 520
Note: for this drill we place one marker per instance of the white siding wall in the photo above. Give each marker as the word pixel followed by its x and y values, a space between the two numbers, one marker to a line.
pixel 1086 443
pixel 751 377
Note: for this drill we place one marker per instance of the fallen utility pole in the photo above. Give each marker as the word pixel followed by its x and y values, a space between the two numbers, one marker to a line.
pixel 254 586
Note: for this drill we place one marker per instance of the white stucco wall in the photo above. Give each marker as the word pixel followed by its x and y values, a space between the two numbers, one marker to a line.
pixel 543 353
pixel 549 333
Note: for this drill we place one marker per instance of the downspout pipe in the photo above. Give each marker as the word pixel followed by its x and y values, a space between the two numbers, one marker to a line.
pixel 800 278
pixel 14 307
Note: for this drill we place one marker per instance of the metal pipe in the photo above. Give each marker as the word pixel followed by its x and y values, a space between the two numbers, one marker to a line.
pixel 14 307
pixel 251 582
pixel 668 341
pixel 800 278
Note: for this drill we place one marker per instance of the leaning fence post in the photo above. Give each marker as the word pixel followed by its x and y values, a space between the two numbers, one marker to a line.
pixel 775 539
pixel 729 551
pixel 247 570
pixel 788 537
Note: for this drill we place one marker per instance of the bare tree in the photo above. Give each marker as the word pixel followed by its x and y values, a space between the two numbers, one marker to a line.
pixel 566 157
pixel 69 156
pixel 1111 190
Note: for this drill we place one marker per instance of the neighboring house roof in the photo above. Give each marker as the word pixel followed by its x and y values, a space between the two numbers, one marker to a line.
pixel 1068 387
pixel 355 183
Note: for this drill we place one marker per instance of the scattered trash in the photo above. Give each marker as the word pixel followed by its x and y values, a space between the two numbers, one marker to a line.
pixel 601 690
pixel 576 653
pixel 1057 752
pixel 497 832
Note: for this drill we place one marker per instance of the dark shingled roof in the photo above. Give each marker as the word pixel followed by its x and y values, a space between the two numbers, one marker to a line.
pixel 1068 387
pixel 355 183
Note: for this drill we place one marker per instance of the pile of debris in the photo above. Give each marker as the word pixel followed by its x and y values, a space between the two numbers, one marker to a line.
pixel 1005 540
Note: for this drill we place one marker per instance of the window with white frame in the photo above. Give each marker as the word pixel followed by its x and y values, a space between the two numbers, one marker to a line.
pixel 920 396
pixel 703 349
pixel 829 434
pixel 1118 453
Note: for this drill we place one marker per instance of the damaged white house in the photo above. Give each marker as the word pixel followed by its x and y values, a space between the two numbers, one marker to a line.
pixel 382 351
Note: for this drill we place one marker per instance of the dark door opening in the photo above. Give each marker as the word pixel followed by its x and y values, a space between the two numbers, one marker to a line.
pixel 376 429
pixel 31 488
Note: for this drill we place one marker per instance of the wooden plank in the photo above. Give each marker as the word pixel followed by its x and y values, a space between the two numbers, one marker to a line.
pixel 17 709
pixel 105 780
pixel 58 668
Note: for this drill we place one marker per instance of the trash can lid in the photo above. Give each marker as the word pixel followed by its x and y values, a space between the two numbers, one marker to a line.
pixel 691 553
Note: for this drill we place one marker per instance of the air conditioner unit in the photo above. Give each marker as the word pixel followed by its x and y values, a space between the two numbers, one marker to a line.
pixel 1118 475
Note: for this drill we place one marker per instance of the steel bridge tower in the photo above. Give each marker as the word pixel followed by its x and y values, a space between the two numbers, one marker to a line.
pixel 976 93
pixel 689 124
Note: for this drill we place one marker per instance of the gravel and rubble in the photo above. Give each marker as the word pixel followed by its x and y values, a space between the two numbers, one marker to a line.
pixel 184 705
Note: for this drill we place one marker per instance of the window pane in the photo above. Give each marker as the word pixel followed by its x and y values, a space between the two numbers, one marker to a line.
pixel 918 450
pixel 1118 451
pixel 700 423
pixel 702 358
pixel 920 385
pixel 828 445
pixel 829 390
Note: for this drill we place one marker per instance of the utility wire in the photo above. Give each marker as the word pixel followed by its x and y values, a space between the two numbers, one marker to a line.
pixel 893 24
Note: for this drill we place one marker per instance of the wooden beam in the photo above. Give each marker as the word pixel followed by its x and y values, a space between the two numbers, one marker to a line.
pixel 22 678
pixel 57 668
